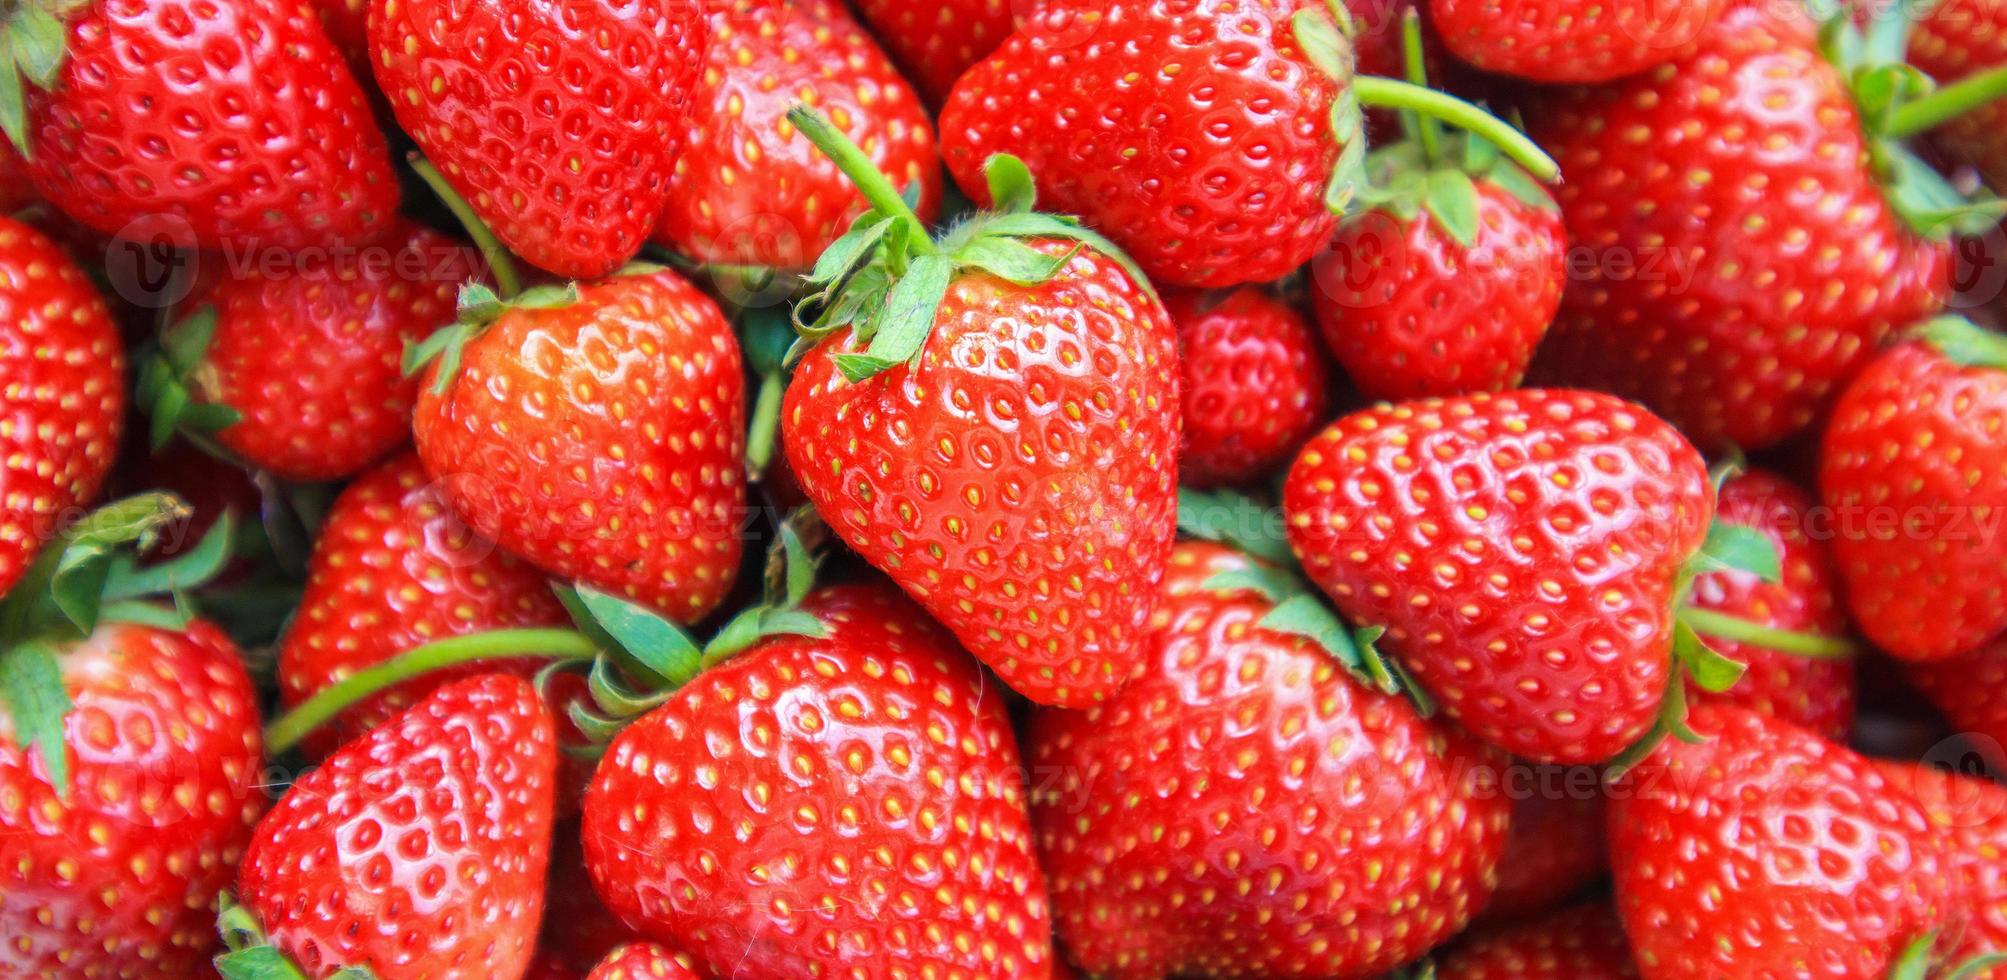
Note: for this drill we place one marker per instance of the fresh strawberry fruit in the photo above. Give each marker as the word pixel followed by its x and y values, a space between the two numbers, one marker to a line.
pixel 1731 283
pixel 1200 196
pixel 1582 943
pixel 644 961
pixel 112 869
pixel 937 42
pixel 1254 384
pixel 1971 692
pixel 1812 688
pixel 1764 851
pixel 1002 439
pixel 561 146
pixel 824 806
pixel 578 930
pixel 299 370
pixel 1972 815
pixel 417 850
pixel 1555 850
pixel 601 436
pixel 1915 476
pixel 394 568
pixel 749 190
pixel 1953 41
pixel 1324 798
pixel 220 124
pixel 1523 552
pixel 62 372
pixel 1561 41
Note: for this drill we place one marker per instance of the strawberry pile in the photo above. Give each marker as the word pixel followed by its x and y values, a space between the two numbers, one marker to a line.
pixel 577 490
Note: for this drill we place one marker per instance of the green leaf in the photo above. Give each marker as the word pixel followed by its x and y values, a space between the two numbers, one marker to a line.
pixel 1235 519
pixel 1012 259
pixel 1272 584
pixel 1011 186
pixel 1480 155
pixel 658 644
pixel 738 633
pixel 1733 547
pixel 38 42
pixel 1927 202
pixel 1514 180
pixel 147 614
pixel 424 352
pixel 801 563
pixel 1977 966
pixel 188 570
pixel 1916 959
pixel 903 323
pixel 843 255
pixel 207 417
pixel 257 963
pixel 1323 44
pixel 795 622
pixel 478 303
pixel 13 105
pixel 1306 616
pixel 1041 225
pixel 187 342
pixel 1964 343
pixel 535 298
pixel 31 685
pixel 170 401
pixel 1708 668
pixel 1451 199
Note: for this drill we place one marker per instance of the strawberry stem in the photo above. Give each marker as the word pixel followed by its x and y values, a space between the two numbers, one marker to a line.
pixel 1427 130
pixel 547 644
pixel 507 282
pixel 877 188
pixel 1811 646
pixel 1947 103
pixel 1388 93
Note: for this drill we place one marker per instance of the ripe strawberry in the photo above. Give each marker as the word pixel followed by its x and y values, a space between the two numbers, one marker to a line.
pixel 1016 470
pixel 1254 384
pixel 221 124
pixel 1953 41
pixel 1733 283
pixel 562 147
pixel 749 190
pixel 1971 814
pixel 1765 851
pixel 394 568
pixel 298 370
pixel 578 931
pixel 1971 692
pixel 1555 850
pixel 1324 800
pixel 417 850
pixel 112 869
pixel 602 438
pixel 1522 551
pixel 1559 41
pixel 1915 476
pixel 1811 689
pixel 936 43
pixel 1582 943
pixel 62 375
pixel 644 961
pixel 824 806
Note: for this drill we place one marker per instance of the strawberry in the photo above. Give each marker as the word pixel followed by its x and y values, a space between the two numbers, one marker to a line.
pixel 1118 108
pixel 578 931
pixel 1254 384
pixel 749 190
pixel 644 961
pixel 1733 283
pixel 394 568
pixel 1971 692
pixel 1016 471
pixel 561 146
pixel 1958 41
pixel 1245 808
pixel 1582 943
pixel 1559 41
pixel 1915 477
pixel 848 804
pixel 1523 552
pixel 1765 851
pixel 417 850
pixel 62 373
pixel 598 432
pixel 221 124
pixel 936 43
pixel 1555 850
pixel 1814 687
pixel 1972 815
pixel 298 370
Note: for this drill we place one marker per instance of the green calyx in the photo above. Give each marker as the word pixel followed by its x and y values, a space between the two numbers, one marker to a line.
pixel 1923 959
pixel 171 375
pixel 249 955
pixel 1965 343
pixel 478 307
pixel 885 278
pixel 34 43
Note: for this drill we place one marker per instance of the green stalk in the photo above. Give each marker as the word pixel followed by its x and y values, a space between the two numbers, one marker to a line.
pixel 1427 130
pixel 1947 103
pixel 872 182
pixel 507 282
pixel 765 423
pixel 1811 646
pixel 548 644
pixel 1388 93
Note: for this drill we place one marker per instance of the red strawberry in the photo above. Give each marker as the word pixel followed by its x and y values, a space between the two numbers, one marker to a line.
pixel 1953 41
pixel 418 850
pixel 113 869
pixel 1812 689
pixel 1254 384
pixel 1971 814
pixel 1555 850
pixel 556 122
pixel 1002 439
pixel 937 42
pixel 1561 41
pixel 298 370
pixel 1732 283
pixel 1244 808
pixel 1914 474
pixel 601 437
pixel 578 931
pixel 62 375
pixel 231 123
pixel 827 806
pixel 749 190
pixel 1522 550
pixel 1582 943
pixel 1765 851
pixel 644 961
pixel 394 568
pixel 1971 692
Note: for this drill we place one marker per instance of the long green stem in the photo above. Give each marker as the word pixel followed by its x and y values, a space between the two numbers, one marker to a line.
pixel 549 644
pixel 1388 93
pixel 1427 130
pixel 1812 646
pixel 765 423
pixel 1947 103
pixel 872 182
pixel 507 282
